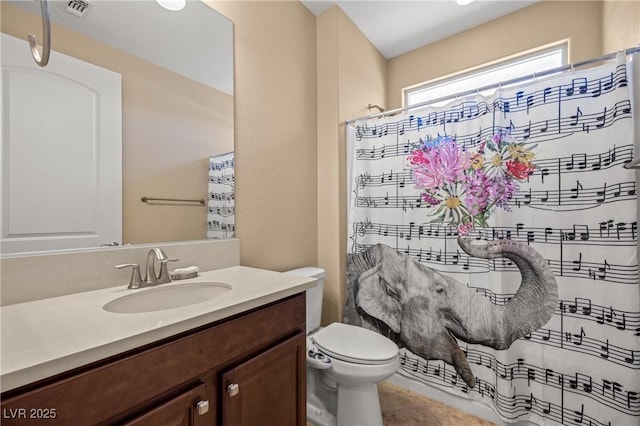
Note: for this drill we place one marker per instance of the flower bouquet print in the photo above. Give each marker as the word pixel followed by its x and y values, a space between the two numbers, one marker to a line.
pixel 465 186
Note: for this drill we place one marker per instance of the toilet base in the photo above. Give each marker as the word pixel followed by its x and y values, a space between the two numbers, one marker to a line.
pixel 321 399
pixel 359 405
pixel 319 416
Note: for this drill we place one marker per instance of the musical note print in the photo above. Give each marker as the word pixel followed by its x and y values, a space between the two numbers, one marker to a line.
pixel 576 197
pixel 468 110
pixel 221 196
pixel 607 392
pixel 223 164
pixel 604 233
pixel 228 179
pixel 573 198
pixel 215 225
pixel 222 211
pixel 221 204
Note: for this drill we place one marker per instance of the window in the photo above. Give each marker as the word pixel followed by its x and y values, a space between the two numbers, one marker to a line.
pixel 520 66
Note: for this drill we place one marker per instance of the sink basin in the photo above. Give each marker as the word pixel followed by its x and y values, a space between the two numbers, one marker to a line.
pixel 169 297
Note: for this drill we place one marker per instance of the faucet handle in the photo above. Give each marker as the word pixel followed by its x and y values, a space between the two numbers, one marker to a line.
pixel 164 271
pixel 136 280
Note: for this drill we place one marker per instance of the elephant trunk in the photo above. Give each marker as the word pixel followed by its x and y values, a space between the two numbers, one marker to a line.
pixel 532 306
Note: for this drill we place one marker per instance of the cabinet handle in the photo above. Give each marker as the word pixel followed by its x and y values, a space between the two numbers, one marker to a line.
pixel 202 407
pixel 233 389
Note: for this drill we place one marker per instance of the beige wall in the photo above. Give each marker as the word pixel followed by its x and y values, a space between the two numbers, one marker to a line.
pixel 170 127
pixel 275 132
pixel 351 74
pixel 620 25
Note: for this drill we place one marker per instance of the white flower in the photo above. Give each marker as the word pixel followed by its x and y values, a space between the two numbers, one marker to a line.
pixel 451 208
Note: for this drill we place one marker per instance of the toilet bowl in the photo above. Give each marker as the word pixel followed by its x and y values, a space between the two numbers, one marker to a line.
pixel 344 365
pixel 359 360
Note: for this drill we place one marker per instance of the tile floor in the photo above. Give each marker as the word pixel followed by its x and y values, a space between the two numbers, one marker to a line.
pixel 401 407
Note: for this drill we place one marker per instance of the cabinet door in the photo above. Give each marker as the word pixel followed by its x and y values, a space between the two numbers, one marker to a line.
pixel 269 389
pixel 190 408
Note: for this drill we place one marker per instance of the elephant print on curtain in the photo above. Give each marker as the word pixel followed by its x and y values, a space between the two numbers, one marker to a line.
pixel 424 310
pixel 532 306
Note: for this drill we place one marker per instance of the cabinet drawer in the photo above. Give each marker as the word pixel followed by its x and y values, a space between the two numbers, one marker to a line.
pixel 102 392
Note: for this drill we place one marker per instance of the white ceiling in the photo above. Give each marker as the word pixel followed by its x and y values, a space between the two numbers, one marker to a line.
pixel 397 27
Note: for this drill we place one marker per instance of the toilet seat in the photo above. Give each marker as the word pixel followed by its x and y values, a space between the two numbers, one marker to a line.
pixel 354 344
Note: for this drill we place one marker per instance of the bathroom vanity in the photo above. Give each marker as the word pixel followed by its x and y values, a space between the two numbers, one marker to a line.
pixel 238 359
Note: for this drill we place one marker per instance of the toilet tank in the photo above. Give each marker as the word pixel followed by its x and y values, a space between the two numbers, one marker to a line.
pixel 314 295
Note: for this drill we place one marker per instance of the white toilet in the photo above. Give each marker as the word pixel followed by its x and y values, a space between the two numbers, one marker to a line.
pixel 344 365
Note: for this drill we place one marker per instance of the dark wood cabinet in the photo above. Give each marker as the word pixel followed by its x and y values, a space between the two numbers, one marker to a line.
pixel 258 392
pixel 184 380
pixel 187 409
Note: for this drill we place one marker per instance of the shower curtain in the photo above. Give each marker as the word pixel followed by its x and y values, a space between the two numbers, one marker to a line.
pixel 577 208
pixel 221 195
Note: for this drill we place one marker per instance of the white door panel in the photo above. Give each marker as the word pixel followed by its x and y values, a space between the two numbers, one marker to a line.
pixel 61 152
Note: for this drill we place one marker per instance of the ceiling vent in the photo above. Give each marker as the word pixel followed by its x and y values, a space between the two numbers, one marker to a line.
pixel 78 8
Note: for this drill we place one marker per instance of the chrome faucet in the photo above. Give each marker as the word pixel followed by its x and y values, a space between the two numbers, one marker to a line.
pixel 151 277
pixel 136 280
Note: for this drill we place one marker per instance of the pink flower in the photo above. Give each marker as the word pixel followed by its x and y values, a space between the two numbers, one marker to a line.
pixel 427 177
pixel 453 160
pixel 417 157
pixel 481 189
pixel 507 187
pixel 465 228
pixel 440 165
pixel 429 199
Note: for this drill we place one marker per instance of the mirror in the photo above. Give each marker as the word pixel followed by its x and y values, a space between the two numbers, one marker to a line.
pixel 176 73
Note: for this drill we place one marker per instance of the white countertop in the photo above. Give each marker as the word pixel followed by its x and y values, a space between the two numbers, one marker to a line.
pixel 50 336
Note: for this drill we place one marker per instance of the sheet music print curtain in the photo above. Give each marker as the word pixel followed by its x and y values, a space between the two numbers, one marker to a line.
pixel 221 205
pixel 578 209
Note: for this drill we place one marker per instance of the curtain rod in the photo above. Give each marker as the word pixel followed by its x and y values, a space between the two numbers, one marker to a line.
pixel 608 57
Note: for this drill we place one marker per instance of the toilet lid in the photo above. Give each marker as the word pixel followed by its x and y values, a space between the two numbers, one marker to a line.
pixel 355 344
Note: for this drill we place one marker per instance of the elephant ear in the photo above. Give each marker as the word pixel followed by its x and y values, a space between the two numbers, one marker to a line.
pixel 375 300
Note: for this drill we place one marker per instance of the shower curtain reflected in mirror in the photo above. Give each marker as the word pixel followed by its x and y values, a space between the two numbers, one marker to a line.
pixel 221 223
